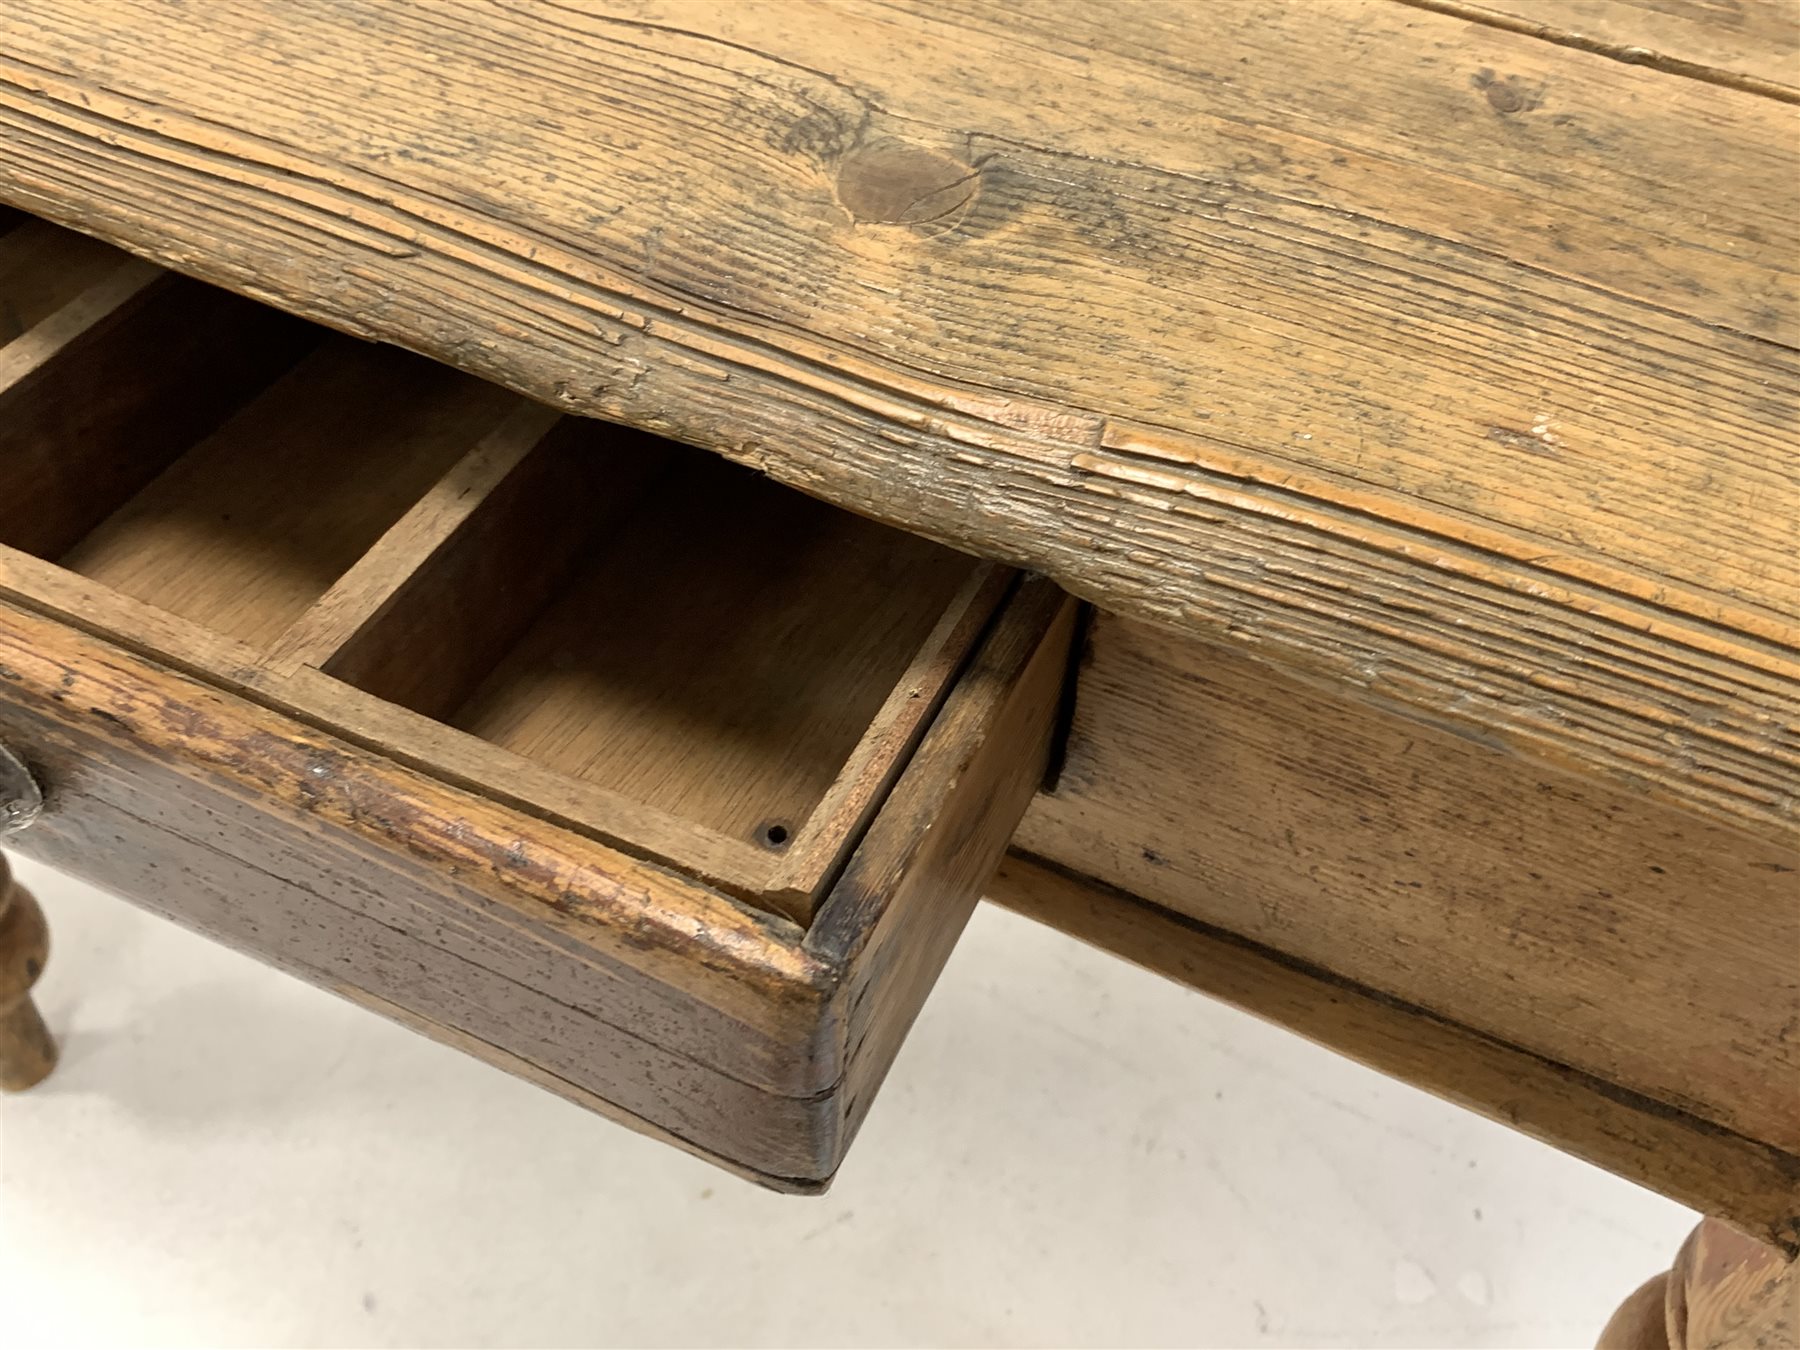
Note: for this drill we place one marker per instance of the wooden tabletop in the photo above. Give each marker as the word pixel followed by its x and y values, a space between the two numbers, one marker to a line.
pixel 1445 349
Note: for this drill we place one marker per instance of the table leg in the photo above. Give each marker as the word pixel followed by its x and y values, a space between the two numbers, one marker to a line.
pixel 1725 1292
pixel 27 1054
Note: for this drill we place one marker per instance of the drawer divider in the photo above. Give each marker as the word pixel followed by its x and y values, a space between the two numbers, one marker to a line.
pixel 358 599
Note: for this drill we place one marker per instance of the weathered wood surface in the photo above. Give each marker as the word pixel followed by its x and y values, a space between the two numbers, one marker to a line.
pixel 539 906
pixel 895 915
pixel 594 624
pixel 1748 44
pixel 1745 44
pixel 736 1032
pixel 1440 359
pixel 1592 927
pixel 661 997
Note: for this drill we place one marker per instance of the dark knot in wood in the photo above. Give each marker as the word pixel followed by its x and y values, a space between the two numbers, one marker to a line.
pixel 894 183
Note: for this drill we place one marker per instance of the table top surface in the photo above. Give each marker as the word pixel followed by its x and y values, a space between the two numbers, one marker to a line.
pixel 1445 349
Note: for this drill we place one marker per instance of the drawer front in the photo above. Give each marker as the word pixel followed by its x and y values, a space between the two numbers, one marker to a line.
pixel 360 876
pixel 620 767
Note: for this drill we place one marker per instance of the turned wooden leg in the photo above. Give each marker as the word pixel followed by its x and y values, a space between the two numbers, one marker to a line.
pixel 1725 1292
pixel 27 1054
pixel 1642 1321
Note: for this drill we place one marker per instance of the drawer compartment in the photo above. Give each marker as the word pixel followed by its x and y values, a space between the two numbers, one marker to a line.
pixel 672 652
pixel 246 529
pixel 618 765
pixel 42 269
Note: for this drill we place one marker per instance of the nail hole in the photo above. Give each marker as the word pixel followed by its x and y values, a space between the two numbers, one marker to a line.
pixel 775 835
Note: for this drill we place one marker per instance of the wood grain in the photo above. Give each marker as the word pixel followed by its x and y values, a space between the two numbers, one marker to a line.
pixel 1679 1155
pixel 291 882
pixel 1726 1291
pixel 1747 44
pixel 720 652
pixel 256 522
pixel 98 398
pixel 668 638
pixel 1729 1292
pixel 1596 928
pixel 425 617
pixel 540 905
pixel 520 1067
pixel 812 855
pixel 443 521
pixel 1441 360
pixel 892 920
pixel 607 978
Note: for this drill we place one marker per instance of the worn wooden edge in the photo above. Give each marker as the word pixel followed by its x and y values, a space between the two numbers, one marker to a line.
pixel 591 810
pixel 851 914
pixel 1693 1161
pixel 1668 61
pixel 713 374
pixel 1595 927
pixel 756 969
pixel 361 719
pixel 894 916
pixel 318 667
pixel 295 900
pixel 519 1066
pixel 91 607
pixel 559 885
pixel 837 822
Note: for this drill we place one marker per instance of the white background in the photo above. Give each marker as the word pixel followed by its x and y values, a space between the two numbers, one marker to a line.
pixel 1069 1152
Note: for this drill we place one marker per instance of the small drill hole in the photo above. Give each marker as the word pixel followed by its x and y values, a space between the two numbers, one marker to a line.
pixel 775 836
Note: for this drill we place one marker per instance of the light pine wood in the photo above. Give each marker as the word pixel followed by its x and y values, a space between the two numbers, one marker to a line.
pixel 811 856
pixel 1445 361
pixel 732 690
pixel 1747 44
pixel 440 600
pixel 1599 929
pixel 1645 1140
pixel 1730 1292
pixel 720 654
pixel 27 1052
pixel 229 669
pixel 452 588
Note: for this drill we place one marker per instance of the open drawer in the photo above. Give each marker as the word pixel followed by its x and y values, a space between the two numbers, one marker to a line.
pixel 620 766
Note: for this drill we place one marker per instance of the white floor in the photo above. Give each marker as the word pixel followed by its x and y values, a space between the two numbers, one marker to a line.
pixel 1069 1152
